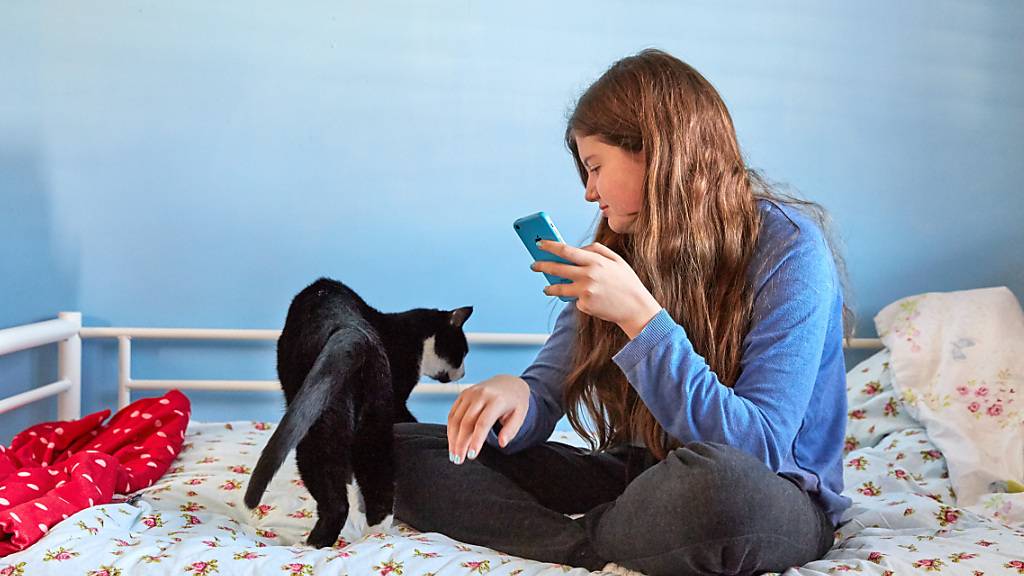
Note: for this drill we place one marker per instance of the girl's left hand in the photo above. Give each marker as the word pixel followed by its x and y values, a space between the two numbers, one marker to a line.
pixel 603 284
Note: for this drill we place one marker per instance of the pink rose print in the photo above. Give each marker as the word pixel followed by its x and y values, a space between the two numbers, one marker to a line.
pixel 871 388
pixel 481 567
pixel 153 521
pixel 984 543
pixel 973 407
pixel 858 463
pixel 195 481
pixel 995 410
pixel 261 426
pixel 869 489
pixel 963 390
pixel 851 444
pixel 1015 564
pixel 262 510
pixel 240 469
pixel 416 552
pixel 930 564
pixel 389 567
pixel 858 414
pixel 191 520
pixel 875 557
pixel 947 516
pixel 59 554
pixel 266 533
pixel 908 511
pixel 891 408
pixel 203 568
pixel 247 555
pixel 296 569
pixel 958 556
pixel 931 455
pixel 105 570
pixel 981 391
pixel 230 485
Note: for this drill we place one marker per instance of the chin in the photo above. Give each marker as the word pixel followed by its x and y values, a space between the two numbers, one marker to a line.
pixel 620 227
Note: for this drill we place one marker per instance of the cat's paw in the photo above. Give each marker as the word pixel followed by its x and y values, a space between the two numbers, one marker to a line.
pixel 383 526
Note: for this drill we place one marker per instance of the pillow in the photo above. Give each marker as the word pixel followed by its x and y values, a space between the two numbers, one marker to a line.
pixel 958 365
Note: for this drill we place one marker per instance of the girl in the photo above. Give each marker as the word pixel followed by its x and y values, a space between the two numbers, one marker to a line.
pixel 704 343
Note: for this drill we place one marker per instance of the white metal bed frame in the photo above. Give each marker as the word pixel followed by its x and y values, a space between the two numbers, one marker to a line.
pixel 67 332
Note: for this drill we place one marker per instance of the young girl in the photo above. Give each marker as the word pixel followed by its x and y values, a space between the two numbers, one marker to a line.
pixel 704 342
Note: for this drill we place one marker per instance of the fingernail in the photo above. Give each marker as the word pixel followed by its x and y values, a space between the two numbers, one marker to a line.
pixel 458 459
pixel 538 243
pixel 451 457
pixel 471 454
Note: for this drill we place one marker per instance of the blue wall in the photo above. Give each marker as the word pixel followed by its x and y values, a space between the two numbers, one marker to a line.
pixel 196 164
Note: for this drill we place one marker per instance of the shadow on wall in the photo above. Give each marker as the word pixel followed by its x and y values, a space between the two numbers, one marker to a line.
pixel 35 284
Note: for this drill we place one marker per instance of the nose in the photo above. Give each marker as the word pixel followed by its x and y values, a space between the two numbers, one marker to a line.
pixel 590 194
pixel 443 378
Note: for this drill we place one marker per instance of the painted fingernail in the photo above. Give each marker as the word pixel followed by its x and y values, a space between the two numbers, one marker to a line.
pixel 451 457
pixel 458 459
pixel 471 454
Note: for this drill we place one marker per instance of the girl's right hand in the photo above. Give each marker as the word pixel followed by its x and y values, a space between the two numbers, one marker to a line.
pixel 502 398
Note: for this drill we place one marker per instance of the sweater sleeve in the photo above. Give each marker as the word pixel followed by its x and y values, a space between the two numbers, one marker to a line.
pixel 545 378
pixel 762 413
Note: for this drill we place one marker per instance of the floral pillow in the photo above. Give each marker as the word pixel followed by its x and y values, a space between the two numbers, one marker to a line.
pixel 958 366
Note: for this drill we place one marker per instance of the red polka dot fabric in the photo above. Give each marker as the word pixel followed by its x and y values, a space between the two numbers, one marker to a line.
pixel 54 469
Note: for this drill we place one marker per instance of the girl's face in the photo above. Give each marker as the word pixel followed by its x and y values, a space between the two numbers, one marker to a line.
pixel 615 180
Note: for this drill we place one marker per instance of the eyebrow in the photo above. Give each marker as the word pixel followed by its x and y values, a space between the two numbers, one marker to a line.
pixel 586 161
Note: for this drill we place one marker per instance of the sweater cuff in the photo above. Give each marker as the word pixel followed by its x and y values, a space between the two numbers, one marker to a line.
pixel 656 330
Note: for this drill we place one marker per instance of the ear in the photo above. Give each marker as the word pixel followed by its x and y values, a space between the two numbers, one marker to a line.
pixel 459 316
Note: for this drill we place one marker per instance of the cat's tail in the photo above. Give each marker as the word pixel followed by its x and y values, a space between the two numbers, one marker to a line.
pixel 341 356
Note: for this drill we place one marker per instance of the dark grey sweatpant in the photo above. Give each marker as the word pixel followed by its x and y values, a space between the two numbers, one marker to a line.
pixel 706 509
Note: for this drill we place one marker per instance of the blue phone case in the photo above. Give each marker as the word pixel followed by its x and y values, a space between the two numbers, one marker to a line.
pixel 539 227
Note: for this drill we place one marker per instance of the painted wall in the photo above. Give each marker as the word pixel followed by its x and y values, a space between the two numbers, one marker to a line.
pixel 196 164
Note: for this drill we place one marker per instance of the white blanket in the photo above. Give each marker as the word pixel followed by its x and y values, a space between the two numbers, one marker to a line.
pixel 958 366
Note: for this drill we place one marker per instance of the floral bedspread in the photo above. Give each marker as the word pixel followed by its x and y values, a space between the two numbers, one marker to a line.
pixel 905 518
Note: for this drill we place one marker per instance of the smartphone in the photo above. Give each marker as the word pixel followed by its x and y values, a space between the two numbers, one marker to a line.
pixel 540 227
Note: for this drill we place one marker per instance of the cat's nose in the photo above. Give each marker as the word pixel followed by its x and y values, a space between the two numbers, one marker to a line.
pixel 443 378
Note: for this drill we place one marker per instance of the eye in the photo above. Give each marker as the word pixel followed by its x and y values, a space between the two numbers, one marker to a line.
pixel 594 169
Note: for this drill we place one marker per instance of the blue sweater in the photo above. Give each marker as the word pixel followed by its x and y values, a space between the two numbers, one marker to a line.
pixel 788 406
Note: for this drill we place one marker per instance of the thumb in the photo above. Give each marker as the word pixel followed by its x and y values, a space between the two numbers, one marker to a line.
pixel 510 425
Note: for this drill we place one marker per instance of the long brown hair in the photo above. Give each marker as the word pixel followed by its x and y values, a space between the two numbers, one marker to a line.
pixel 693 238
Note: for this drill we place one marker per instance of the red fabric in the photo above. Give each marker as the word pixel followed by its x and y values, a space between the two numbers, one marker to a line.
pixel 54 469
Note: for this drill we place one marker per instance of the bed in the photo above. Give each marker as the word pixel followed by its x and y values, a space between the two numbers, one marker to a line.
pixel 191 520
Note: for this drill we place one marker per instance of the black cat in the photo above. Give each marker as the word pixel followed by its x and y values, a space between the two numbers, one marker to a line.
pixel 347 370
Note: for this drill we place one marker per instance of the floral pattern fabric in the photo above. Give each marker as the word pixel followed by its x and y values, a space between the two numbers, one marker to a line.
pixel 905 519
pixel 958 367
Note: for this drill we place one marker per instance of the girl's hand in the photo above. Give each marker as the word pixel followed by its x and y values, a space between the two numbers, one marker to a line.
pixel 603 284
pixel 501 398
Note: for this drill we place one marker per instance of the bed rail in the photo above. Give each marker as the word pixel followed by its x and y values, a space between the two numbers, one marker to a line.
pixel 65 331
pixel 68 331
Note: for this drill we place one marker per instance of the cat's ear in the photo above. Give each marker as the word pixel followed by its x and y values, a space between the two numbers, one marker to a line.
pixel 459 316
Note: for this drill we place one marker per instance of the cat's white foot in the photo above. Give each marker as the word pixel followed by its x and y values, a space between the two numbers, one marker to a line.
pixel 384 525
pixel 614 568
pixel 356 510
